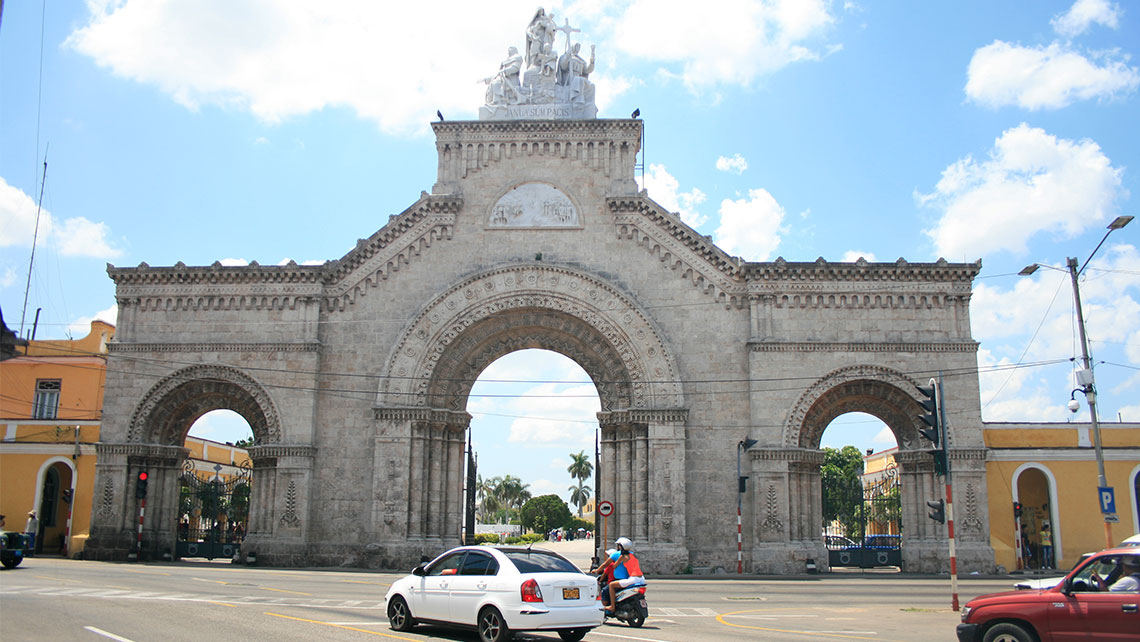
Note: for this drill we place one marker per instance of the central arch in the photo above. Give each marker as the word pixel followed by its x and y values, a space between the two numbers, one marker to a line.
pixel 440 354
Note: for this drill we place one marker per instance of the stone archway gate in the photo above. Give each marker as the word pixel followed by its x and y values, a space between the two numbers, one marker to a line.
pixel 355 374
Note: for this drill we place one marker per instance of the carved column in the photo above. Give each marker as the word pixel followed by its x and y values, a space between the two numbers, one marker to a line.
pixel 281 509
pixel 783 520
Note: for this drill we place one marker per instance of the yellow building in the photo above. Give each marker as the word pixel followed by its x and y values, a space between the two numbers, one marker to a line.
pixel 51 398
pixel 51 402
pixel 1050 471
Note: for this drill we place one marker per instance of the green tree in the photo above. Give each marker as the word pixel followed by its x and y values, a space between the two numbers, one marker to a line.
pixel 580 466
pixel 579 495
pixel 842 492
pixel 245 443
pixel 545 512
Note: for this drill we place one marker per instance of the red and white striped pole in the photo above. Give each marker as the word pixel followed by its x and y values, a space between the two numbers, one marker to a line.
pixel 739 544
pixel 142 513
pixel 953 554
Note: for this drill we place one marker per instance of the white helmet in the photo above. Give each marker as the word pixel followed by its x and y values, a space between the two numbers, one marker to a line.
pixel 623 543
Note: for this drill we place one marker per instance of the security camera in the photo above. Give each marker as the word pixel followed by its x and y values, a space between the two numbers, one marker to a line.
pixel 1074 405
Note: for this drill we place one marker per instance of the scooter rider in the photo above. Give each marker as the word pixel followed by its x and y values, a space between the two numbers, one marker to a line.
pixel 626 572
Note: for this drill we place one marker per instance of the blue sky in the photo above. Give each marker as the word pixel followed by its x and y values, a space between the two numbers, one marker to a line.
pixel 240 131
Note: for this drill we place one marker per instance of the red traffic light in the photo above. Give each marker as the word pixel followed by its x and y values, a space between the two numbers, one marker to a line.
pixel 142 476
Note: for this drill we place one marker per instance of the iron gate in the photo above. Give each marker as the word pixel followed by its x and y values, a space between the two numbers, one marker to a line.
pixel 213 511
pixel 866 532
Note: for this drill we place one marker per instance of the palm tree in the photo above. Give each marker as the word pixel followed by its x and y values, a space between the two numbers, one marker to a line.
pixel 513 492
pixel 580 466
pixel 579 495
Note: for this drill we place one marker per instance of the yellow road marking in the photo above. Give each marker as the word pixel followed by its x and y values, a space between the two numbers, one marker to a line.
pixel 266 588
pixel 57 579
pixel 374 583
pixel 232 606
pixel 131 570
pixel 720 618
pixel 116 586
pixel 347 628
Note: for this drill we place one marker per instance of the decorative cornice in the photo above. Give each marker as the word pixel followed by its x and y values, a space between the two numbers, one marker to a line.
pixel 803 455
pixel 686 252
pixel 419 413
pixel 856 346
pixel 217 274
pixel 142 450
pixel 277 451
pixel 115 347
pixel 783 272
pixel 540 130
pixel 651 416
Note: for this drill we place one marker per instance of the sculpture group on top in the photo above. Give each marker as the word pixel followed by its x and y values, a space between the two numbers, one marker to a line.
pixel 542 83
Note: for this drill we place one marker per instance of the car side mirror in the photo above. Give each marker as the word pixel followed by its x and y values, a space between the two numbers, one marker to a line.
pixel 419 571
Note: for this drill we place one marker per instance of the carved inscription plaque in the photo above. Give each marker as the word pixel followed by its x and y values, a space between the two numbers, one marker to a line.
pixel 533 205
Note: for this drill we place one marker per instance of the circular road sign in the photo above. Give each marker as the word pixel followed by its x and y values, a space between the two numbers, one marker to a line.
pixel 605 508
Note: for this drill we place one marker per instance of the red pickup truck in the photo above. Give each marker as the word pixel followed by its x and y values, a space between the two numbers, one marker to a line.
pixel 1087 605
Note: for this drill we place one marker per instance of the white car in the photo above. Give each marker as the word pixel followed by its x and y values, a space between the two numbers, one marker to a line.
pixel 497 591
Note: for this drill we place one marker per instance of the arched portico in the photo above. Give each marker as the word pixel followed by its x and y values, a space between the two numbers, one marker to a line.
pixel 883 392
pixel 155 443
pixel 440 355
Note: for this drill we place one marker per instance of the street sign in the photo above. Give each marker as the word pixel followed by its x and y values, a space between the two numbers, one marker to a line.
pixel 605 508
pixel 1112 518
pixel 1107 499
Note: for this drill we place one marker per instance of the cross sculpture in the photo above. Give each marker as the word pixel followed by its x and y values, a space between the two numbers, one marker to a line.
pixel 568 30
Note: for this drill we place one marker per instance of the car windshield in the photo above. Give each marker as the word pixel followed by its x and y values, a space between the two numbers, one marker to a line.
pixel 539 562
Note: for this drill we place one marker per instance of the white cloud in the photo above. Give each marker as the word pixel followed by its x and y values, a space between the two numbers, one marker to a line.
pixel 556 415
pixel 735 164
pixel 81 327
pixel 74 237
pixel 854 255
pixel 1083 14
pixel 663 188
pixel 234 262
pixel 8 277
pixel 396 64
pixel 1034 321
pixel 1031 183
pixel 1049 77
pixel 752 39
pixel 225 426
pixel 750 228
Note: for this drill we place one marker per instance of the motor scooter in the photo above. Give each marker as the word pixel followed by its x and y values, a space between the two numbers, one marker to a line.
pixel 631 605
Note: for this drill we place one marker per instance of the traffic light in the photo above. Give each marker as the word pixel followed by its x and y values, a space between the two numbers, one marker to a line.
pixel 743 484
pixel 66 495
pixel 140 485
pixel 939 512
pixel 1016 510
pixel 930 417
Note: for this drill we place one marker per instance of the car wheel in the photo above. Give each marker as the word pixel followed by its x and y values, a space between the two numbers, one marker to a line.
pixel 1007 632
pixel 492 626
pixel 12 562
pixel 573 635
pixel 399 617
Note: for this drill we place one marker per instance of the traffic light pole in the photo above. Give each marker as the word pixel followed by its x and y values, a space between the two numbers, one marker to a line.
pixel 949 498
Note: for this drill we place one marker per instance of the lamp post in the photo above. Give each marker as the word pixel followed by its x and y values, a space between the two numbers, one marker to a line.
pixel 1085 375
pixel 744 445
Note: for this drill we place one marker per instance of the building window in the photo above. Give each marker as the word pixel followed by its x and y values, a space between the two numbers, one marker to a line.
pixel 47 399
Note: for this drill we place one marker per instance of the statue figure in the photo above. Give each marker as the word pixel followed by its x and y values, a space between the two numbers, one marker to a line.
pixel 539 34
pixel 503 87
pixel 574 71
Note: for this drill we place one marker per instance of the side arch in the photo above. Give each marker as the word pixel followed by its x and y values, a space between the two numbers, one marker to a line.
pixel 876 390
pixel 171 406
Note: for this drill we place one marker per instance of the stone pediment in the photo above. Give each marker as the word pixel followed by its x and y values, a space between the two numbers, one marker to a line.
pixel 691 255
pixel 398 243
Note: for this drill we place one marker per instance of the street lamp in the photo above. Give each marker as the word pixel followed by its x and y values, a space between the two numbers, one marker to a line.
pixel 1085 375
pixel 744 445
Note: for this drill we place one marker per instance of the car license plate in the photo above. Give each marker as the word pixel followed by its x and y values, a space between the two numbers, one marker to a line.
pixel 570 593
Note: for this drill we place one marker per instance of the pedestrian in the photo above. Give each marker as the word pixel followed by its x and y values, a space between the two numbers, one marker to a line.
pixel 30 530
pixel 1046 546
